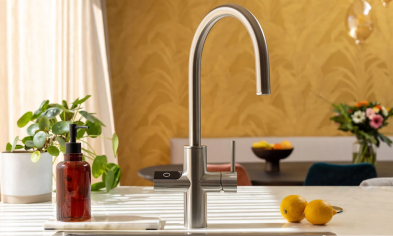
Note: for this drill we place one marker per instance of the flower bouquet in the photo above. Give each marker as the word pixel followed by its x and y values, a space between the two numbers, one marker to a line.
pixel 364 120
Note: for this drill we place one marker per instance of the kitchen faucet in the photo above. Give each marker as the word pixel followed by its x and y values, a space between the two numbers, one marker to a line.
pixel 195 181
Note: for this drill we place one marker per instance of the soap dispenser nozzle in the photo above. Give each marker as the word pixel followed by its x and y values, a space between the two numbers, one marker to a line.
pixel 73 131
pixel 73 146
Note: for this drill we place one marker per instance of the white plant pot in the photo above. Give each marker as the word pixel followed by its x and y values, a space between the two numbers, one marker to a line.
pixel 24 181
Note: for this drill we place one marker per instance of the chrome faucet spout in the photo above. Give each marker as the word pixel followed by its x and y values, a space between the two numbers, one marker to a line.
pixel 195 181
pixel 194 76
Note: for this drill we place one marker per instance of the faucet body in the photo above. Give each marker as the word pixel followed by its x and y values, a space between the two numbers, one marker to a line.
pixel 195 181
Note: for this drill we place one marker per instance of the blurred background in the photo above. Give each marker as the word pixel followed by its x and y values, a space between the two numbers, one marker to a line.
pixel 132 57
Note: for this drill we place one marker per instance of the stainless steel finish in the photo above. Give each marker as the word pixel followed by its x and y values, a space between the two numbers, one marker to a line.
pixel 261 60
pixel 195 155
pixel 338 209
pixel 233 169
pixel 229 181
pixel 172 185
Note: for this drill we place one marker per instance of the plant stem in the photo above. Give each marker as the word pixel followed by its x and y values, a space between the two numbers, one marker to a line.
pixel 54 160
pixel 54 177
pixel 83 149
pixel 90 153
pixel 76 112
pixel 88 157
pixel 89 146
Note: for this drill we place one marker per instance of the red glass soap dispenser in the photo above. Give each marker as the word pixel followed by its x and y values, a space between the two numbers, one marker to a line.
pixel 73 182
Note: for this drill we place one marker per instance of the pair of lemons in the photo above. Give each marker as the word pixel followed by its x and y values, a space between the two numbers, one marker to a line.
pixel 295 208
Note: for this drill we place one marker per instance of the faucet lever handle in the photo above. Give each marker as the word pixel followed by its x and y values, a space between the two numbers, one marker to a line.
pixel 233 156
pixel 229 179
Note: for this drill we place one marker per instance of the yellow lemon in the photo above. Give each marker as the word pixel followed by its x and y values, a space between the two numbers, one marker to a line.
pixel 286 145
pixel 292 208
pixel 260 144
pixel 269 147
pixel 319 212
pixel 257 145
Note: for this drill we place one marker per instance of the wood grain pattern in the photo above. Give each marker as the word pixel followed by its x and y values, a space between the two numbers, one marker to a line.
pixel 311 55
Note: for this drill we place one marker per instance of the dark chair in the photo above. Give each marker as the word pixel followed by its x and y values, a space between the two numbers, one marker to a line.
pixel 324 174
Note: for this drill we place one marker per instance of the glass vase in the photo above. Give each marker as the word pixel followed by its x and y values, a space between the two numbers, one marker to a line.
pixel 363 152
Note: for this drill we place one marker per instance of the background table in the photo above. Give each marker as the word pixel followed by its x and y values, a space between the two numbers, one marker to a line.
pixel 291 174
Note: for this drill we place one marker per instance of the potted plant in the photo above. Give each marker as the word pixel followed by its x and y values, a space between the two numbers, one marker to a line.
pixel 364 120
pixel 47 133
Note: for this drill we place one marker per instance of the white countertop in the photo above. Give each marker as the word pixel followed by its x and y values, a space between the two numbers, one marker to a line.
pixel 367 210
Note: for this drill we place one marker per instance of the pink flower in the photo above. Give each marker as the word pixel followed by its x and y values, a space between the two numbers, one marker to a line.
pixel 370 113
pixel 376 121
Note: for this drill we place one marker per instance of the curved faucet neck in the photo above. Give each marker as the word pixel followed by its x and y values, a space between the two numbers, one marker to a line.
pixel 261 61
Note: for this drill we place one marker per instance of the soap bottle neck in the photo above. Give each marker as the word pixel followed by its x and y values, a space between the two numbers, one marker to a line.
pixel 73 157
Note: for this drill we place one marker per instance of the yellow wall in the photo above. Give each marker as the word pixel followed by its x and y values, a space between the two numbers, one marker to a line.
pixel 310 53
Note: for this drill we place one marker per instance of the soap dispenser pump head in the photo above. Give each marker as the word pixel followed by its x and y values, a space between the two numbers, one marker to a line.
pixel 73 146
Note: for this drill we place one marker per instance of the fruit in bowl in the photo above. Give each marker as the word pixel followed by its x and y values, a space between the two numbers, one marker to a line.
pixel 275 146
pixel 272 153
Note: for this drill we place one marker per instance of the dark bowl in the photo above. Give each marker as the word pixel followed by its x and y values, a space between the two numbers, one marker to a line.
pixel 272 157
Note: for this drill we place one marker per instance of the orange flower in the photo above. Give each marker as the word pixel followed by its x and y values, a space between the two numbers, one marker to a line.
pixel 362 103
pixel 377 108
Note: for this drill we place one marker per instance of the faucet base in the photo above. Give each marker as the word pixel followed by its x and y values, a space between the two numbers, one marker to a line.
pixel 194 168
pixel 197 217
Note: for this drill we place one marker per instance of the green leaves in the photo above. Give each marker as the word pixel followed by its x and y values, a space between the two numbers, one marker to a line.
pixel 99 165
pixel 97 121
pixel 110 178
pixel 115 144
pixel 385 139
pixel 37 114
pixel 43 105
pixel 94 129
pixel 53 151
pixel 64 103
pixel 29 143
pixel 110 173
pixel 51 112
pixel 9 147
pixel 61 107
pixel 26 138
pixel 97 186
pixel 39 139
pixel 62 149
pixel 78 102
pixel 61 141
pixel 35 156
pixel 25 119
pixel 367 136
pixel 95 125
pixel 14 143
pixel 44 124
pixel 66 116
pixel 116 170
pixel 32 129
pixel 60 128
pixel 117 173
pixel 87 116
pixel 41 109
